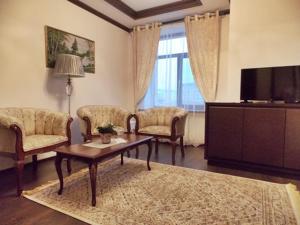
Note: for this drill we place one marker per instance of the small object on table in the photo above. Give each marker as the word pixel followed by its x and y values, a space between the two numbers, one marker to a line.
pixel 106 131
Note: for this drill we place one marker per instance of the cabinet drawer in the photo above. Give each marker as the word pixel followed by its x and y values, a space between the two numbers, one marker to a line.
pixel 263 138
pixel 292 139
pixel 224 130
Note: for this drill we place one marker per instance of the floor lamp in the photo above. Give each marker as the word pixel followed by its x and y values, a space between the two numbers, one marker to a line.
pixel 69 66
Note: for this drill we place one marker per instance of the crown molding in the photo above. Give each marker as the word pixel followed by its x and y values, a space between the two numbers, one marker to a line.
pixel 129 10
pixel 175 6
pixel 99 14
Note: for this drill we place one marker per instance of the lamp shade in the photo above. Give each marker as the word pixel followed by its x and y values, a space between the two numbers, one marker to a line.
pixel 68 65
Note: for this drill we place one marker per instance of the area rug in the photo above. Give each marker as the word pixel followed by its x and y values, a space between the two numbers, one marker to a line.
pixel 169 195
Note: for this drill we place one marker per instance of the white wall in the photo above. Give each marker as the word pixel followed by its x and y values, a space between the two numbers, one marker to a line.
pixel 262 33
pixel 24 78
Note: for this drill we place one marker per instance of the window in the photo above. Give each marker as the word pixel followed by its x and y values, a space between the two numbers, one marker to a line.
pixel 173 82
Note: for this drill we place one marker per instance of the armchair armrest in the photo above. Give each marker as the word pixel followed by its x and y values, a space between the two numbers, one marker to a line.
pixel 136 123
pixel 178 124
pixel 84 112
pixel 12 134
pixel 141 120
pixel 122 118
pixel 85 121
pixel 128 118
pixel 8 121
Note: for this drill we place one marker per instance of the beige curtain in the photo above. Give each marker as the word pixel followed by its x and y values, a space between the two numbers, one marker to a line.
pixel 203 34
pixel 145 45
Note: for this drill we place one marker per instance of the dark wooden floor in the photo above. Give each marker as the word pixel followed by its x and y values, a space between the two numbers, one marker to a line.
pixel 21 211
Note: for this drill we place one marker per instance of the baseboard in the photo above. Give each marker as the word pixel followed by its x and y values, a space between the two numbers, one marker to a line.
pixel 251 167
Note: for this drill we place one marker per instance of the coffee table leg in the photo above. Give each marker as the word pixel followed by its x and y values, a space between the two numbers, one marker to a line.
pixel 58 161
pixel 137 152
pixel 93 177
pixel 122 156
pixel 149 143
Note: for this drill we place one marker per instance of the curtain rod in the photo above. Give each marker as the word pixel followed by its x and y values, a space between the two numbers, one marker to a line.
pixel 221 13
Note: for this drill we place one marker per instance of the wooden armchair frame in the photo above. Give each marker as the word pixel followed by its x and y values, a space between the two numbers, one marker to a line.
pixel 90 136
pixel 173 137
pixel 20 155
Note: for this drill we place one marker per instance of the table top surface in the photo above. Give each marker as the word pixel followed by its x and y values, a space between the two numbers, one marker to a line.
pixel 79 150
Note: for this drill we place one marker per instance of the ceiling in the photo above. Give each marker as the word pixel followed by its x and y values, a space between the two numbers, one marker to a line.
pixel 128 13
pixel 138 5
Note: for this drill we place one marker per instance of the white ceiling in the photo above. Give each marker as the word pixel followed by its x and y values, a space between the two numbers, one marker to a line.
pixel 112 12
pixel 138 5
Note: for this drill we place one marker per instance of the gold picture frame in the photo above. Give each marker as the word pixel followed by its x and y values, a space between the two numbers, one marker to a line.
pixel 58 42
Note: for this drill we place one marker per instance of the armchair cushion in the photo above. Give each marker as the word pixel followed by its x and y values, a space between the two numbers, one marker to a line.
pixel 51 122
pixel 156 130
pixel 39 141
pixel 29 121
pixel 39 128
pixel 35 121
pixel 99 114
pixel 159 121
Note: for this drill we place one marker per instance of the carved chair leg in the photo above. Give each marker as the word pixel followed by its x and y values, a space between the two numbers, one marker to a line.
pixel 69 167
pixel 173 143
pixel 34 163
pixel 122 160
pixel 182 147
pixel 156 146
pixel 19 173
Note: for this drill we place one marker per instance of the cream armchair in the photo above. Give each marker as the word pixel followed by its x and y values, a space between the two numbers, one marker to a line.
pixel 163 122
pixel 93 116
pixel 28 132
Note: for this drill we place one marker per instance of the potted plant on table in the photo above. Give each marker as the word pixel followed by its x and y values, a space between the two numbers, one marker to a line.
pixel 106 131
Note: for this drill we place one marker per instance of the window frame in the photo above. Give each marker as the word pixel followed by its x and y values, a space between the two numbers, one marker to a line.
pixel 180 57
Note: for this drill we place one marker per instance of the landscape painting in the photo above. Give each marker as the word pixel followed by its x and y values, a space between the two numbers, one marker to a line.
pixel 58 41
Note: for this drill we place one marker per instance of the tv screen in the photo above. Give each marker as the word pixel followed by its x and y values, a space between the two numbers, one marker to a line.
pixel 271 84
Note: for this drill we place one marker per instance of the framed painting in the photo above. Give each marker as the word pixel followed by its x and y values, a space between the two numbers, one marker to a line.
pixel 58 41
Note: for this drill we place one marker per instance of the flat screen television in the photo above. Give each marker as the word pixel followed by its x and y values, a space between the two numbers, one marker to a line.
pixel 271 84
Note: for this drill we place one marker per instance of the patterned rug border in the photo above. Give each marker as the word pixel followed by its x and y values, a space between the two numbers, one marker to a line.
pixel 59 210
pixel 294 196
pixel 293 193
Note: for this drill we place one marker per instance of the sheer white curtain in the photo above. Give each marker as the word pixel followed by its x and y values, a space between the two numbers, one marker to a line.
pixel 173 83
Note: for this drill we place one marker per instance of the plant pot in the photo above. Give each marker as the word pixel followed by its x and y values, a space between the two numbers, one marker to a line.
pixel 105 138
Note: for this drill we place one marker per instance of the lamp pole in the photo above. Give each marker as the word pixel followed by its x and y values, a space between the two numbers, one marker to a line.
pixel 69 66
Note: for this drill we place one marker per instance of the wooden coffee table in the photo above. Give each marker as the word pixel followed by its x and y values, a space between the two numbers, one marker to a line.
pixel 92 156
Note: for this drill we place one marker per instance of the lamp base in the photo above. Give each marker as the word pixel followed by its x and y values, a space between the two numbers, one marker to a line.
pixel 69 89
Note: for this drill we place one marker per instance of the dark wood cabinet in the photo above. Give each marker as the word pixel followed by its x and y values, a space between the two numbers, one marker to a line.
pixel 263 136
pixel 292 139
pixel 225 137
pixel 254 135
